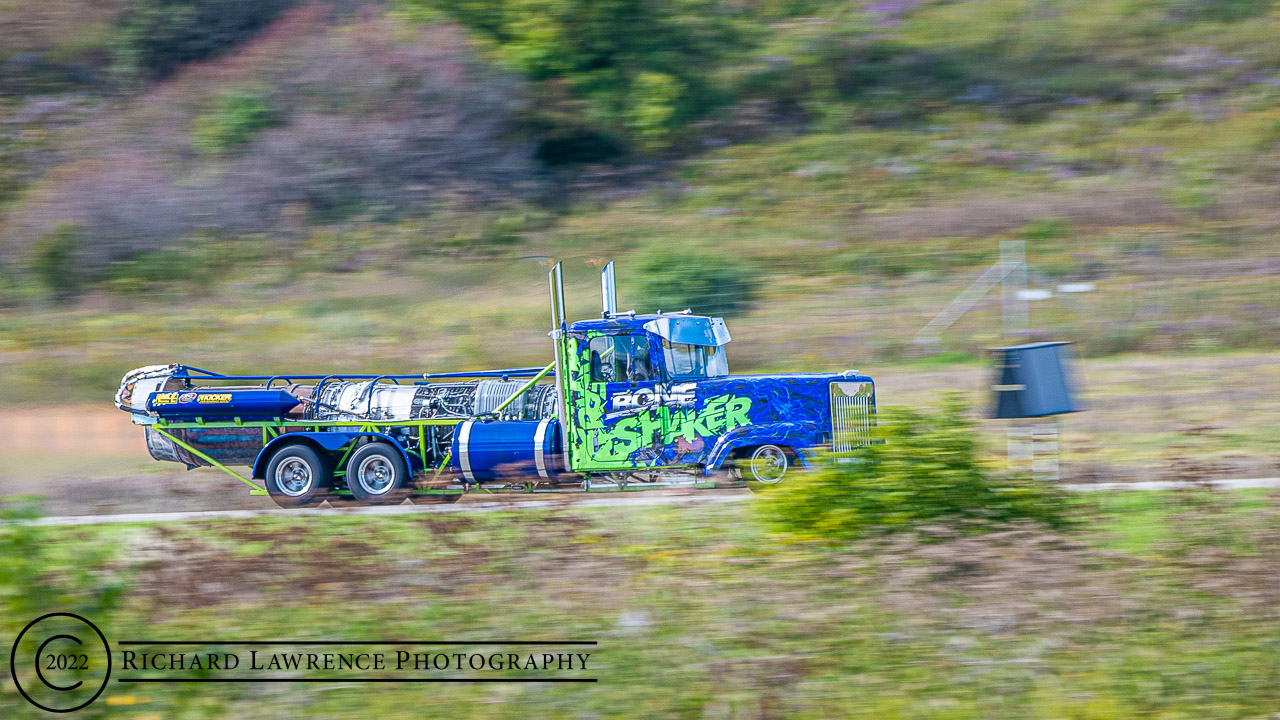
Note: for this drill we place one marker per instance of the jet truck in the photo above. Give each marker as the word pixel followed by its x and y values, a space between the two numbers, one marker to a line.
pixel 629 401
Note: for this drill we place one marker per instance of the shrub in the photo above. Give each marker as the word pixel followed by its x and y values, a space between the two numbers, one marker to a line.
pixel 708 283
pixel 37 577
pixel 237 116
pixel 1219 10
pixel 925 470
pixel 654 100
pixel 53 261
pixel 1045 229
pixel 180 270
pixel 157 36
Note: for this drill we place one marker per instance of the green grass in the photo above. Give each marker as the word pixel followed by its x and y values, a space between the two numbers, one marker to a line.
pixel 1139 523
pixel 701 613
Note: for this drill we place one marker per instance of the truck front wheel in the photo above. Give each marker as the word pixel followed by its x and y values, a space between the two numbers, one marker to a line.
pixel 298 475
pixel 765 466
pixel 377 475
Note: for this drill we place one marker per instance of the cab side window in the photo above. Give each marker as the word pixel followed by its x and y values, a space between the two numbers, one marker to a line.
pixel 620 358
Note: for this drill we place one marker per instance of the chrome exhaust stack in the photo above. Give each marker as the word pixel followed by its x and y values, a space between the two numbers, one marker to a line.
pixel 608 292
pixel 560 343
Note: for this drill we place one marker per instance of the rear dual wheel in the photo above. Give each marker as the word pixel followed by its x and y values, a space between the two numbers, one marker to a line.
pixel 298 476
pixel 377 475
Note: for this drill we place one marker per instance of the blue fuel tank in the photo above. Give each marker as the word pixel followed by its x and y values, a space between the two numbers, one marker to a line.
pixel 221 403
pixel 491 451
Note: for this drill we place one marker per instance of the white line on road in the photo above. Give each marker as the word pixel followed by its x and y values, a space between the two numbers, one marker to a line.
pixel 1235 484
pixel 462 507
pixel 568 501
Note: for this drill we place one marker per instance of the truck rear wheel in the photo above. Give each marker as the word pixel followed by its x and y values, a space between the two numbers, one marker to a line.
pixel 298 475
pixel 377 475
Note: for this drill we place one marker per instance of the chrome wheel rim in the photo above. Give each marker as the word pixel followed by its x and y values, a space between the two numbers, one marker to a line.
pixel 768 464
pixel 376 475
pixel 294 476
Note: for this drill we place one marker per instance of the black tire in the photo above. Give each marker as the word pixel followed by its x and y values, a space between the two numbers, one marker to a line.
pixel 298 476
pixel 377 475
pixel 764 467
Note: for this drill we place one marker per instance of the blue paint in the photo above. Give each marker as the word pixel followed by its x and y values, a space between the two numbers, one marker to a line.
pixel 797 435
pixel 185 405
pixel 495 450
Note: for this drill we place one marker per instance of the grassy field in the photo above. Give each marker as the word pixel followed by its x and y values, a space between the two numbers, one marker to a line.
pixel 1159 605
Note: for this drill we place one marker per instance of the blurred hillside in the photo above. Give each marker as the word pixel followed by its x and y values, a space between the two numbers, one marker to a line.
pixel 362 184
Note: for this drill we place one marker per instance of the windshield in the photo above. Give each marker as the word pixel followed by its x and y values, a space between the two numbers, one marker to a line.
pixel 690 329
pixel 695 361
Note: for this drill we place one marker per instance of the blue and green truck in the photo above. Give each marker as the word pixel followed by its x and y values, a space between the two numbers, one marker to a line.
pixel 630 401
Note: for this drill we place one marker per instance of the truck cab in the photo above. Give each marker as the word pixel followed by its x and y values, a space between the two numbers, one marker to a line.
pixel 649 391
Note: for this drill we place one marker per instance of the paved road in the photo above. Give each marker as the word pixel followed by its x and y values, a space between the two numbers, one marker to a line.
pixel 508 503
pixel 526 502
pixel 1233 484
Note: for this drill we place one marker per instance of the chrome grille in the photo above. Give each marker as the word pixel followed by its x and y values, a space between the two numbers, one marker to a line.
pixel 851 412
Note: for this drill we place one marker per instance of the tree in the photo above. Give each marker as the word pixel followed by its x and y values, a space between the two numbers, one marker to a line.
pixel 642 68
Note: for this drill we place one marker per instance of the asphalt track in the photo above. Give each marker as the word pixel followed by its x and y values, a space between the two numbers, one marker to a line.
pixel 565 500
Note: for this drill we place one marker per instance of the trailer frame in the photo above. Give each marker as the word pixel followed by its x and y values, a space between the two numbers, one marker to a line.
pixel 275 428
